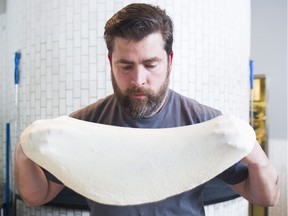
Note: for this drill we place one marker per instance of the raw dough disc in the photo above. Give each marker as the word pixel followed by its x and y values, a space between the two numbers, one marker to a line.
pixel 127 166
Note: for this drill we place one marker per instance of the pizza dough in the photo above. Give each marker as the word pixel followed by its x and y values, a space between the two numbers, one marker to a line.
pixel 127 166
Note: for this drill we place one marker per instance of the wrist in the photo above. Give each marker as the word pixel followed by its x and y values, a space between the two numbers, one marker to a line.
pixel 256 158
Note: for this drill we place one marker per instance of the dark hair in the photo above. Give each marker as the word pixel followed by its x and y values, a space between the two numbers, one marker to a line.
pixel 136 21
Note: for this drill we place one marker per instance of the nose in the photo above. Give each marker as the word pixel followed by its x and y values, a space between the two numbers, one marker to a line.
pixel 139 76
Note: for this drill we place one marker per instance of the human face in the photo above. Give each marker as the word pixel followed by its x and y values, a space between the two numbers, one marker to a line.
pixel 140 74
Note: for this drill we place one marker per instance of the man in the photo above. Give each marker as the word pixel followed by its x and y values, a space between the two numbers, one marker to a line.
pixel 139 39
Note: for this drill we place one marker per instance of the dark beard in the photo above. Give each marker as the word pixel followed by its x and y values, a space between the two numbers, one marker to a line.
pixel 143 108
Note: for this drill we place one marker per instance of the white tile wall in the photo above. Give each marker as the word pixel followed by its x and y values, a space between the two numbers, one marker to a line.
pixel 64 65
pixel 2 99
pixel 235 207
pixel 278 156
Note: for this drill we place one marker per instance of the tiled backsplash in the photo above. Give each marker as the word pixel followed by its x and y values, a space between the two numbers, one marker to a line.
pixel 64 63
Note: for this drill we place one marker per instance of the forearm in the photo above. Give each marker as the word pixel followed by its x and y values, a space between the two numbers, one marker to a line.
pixel 30 180
pixel 262 184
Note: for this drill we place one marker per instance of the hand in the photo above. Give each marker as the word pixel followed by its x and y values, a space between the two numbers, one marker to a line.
pixel 234 132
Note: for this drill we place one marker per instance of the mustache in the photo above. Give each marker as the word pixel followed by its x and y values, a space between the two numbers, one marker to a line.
pixel 141 90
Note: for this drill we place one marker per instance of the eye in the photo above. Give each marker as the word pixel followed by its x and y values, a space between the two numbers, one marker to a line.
pixel 151 66
pixel 126 68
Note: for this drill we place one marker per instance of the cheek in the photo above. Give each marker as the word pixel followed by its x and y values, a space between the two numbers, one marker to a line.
pixel 123 80
pixel 156 80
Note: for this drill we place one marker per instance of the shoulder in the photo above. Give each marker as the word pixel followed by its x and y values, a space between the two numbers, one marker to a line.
pixel 192 108
pixel 94 110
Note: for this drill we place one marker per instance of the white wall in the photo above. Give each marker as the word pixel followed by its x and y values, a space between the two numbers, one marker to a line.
pixel 2 6
pixel 2 99
pixel 64 65
pixel 269 51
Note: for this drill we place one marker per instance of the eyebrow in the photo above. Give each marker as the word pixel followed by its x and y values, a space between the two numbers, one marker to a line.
pixel 154 59
pixel 125 61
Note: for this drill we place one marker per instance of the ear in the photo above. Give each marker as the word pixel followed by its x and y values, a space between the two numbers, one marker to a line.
pixel 170 59
pixel 110 59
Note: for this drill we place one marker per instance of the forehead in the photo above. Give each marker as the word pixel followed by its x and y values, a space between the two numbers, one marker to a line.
pixel 150 46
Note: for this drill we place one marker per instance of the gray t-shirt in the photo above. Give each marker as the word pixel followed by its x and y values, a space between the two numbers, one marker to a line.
pixel 177 111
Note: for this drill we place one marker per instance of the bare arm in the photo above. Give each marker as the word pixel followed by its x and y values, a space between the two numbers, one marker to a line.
pixel 262 186
pixel 31 181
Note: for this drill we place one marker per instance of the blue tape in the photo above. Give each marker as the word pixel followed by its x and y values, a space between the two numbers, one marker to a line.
pixel 251 66
pixel 16 72
pixel 7 190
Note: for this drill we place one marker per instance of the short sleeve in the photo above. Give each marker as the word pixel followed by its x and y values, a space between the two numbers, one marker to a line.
pixel 235 174
pixel 51 177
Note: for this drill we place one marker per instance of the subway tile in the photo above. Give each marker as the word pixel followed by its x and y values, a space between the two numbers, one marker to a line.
pixel 76 103
pixel 62 40
pixel 62 106
pixel 77 88
pixel 69 48
pixel 93 6
pixel 93 88
pixel 92 71
pixel 69 98
pixel 69 31
pixel 92 37
pixel 84 12
pixel 84 46
pixel 69 14
pixel 84 97
pixel 77 6
pixel 85 29
pixel 77 38
pixel 77 56
pixel 77 22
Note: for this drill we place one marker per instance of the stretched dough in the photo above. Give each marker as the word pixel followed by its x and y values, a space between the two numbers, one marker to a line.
pixel 127 166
